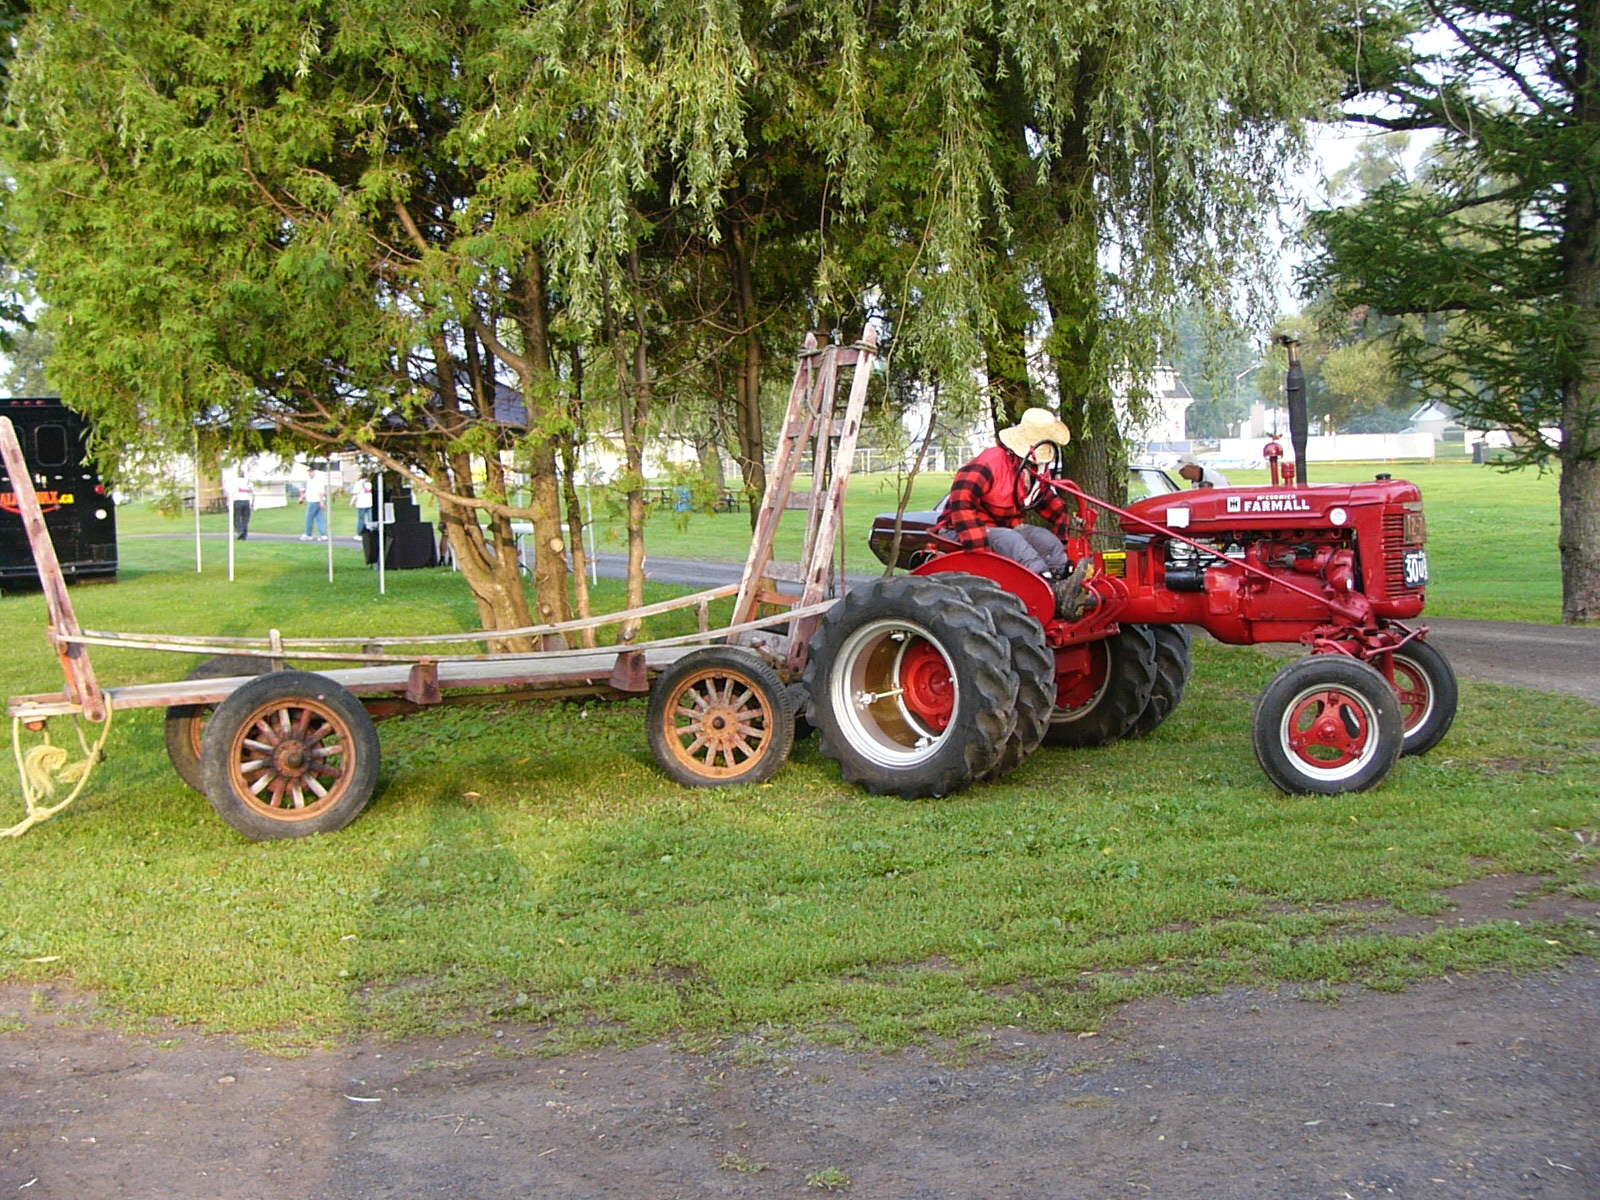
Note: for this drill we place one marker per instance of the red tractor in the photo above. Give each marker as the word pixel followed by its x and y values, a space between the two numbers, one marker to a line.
pixel 923 684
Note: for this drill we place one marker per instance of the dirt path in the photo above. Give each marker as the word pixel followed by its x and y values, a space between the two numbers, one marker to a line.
pixel 1470 1088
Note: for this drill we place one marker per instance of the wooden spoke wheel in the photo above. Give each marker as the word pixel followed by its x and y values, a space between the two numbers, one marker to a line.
pixel 288 755
pixel 186 723
pixel 720 716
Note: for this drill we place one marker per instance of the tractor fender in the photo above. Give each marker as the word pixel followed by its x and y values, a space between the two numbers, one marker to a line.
pixel 1030 588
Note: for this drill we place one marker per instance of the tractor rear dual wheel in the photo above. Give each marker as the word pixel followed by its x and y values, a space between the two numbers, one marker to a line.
pixel 1171 677
pixel 1030 658
pixel 1106 702
pixel 911 687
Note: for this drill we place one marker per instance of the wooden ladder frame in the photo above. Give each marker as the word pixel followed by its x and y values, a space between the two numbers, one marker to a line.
pixel 810 422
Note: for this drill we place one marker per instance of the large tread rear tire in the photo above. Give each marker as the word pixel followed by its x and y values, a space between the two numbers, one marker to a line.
pixel 1125 676
pixel 1326 725
pixel 1172 676
pixel 186 723
pixel 1030 658
pixel 911 688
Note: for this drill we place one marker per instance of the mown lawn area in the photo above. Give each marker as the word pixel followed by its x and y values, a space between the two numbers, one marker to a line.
pixel 528 864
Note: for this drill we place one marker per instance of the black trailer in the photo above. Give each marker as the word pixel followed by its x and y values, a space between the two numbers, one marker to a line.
pixel 77 507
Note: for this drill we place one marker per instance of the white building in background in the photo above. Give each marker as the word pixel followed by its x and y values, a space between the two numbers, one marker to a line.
pixel 1168 407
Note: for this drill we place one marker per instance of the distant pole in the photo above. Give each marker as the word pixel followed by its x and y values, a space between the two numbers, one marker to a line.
pixel 227 507
pixel 380 514
pixel 198 561
pixel 1294 394
pixel 327 510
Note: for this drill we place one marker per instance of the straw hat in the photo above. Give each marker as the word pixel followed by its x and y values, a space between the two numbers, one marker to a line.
pixel 1037 425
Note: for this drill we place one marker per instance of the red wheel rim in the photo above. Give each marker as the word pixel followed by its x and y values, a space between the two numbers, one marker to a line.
pixel 1328 729
pixel 1410 683
pixel 929 693
pixel 1079 690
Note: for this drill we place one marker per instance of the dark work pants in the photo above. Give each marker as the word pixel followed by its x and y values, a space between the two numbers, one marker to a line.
pixel 1037 549
pixel 241 519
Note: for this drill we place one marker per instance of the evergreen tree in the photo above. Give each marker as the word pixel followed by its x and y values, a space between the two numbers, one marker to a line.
pixel 1496 250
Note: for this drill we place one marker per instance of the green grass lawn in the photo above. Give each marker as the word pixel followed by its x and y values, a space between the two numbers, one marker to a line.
pixel 528 864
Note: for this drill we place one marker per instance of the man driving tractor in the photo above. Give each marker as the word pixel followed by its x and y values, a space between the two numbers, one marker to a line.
pixel 991 495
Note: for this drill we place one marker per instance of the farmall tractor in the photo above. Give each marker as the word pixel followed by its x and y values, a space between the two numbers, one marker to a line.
pixel 925 683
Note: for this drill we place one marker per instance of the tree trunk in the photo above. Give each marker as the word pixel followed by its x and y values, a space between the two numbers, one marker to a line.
pixel 569 477
pixel 491 572
pixel 1580 392
pixel 536 375
pixel 1097 459
pixel 634 394
pixel 747 406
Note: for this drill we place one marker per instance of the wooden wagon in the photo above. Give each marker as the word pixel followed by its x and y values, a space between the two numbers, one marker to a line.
pixel 281 752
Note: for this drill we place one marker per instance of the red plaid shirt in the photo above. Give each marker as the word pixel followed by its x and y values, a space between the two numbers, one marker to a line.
pixel 991 490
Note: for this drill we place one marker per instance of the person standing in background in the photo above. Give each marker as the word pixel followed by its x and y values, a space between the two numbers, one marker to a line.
pixel 363 505
pixel 243 496
pixel 316 499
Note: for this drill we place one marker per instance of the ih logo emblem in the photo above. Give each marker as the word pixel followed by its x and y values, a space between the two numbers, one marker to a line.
pixel 1233 503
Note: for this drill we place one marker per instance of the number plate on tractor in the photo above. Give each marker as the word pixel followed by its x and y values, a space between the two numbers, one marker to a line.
pixel 1416 568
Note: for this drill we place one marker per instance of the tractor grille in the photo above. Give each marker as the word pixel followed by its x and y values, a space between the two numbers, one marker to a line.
pixel 1394 554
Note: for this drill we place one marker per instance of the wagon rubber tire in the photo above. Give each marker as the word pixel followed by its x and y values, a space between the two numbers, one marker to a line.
pixel 289 754
pixel 1426 685
pixel 723 703
pixel 1172 676
pixel 911 688
pixel 186 722
pixel 1327 725
pixel 1030 658
pixel 1129 672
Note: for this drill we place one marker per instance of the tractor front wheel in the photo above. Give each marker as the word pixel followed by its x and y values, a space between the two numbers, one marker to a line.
pixel 720 716
pixel 911 688
pixel 1327 724
pixel 1426 685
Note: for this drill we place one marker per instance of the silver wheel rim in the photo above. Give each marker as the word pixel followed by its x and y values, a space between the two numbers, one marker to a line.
pixel 864 692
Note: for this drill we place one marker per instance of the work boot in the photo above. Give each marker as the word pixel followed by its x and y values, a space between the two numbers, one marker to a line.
pixel 1073 599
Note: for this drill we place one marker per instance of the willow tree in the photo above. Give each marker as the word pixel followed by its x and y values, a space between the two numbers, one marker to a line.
pixel 364 221
pixel 1086 168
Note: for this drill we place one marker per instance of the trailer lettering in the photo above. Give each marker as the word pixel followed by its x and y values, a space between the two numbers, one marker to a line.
pixel 48 501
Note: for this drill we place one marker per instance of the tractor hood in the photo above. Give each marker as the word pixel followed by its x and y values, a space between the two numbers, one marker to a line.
pixel 1320 506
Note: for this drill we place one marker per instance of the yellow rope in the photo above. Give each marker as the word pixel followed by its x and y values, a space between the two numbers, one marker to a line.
pixel 46 767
